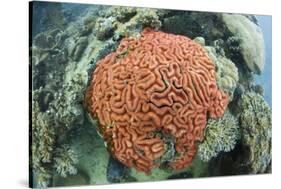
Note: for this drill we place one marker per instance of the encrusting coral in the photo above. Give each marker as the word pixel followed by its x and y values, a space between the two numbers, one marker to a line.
pixel 154 86
pixel 220 135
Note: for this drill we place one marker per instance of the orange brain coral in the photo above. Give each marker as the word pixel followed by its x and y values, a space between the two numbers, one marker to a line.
pixel 156 87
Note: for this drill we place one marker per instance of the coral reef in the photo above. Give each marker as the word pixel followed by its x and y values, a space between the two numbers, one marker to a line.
pixel 143 92
pixel 67 46
pixel 56 107
pixel 255 123
pixel 120 22
pixel 47 156
pixel 250 37
pixel 49 133
pixel 220 135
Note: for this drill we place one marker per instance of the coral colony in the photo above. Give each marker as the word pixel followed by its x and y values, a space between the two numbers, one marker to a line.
pixel 152 88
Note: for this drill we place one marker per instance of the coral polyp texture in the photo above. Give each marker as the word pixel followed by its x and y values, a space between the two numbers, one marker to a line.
pixel 151 90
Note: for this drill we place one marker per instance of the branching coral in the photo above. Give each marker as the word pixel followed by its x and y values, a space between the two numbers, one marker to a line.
pixel 42 146
pixel 255 121
pixel 220 136
pixel 157 83
pixel 64 161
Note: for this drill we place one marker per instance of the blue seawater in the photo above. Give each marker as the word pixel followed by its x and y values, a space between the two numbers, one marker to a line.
pixel 265 79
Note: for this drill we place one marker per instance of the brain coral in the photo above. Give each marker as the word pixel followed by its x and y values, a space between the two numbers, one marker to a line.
pixel 152 88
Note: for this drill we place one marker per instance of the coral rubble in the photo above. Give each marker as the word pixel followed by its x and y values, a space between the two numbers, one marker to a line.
pixel 158 83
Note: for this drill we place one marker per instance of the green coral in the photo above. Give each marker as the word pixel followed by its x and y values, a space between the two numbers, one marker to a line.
pixel 226 71
pixel 255 122
pixel 221 135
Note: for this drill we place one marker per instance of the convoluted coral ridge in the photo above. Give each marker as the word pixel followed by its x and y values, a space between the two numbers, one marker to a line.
pixel 158 83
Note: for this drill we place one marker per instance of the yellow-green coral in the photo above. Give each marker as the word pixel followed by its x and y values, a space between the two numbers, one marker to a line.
pixel 220 136
pixel 255 121
pixel 65 160
pixel 226 71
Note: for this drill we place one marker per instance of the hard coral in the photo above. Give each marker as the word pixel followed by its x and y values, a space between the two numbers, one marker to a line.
pixel 160 85
pixel 220 135
pixel 256 123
